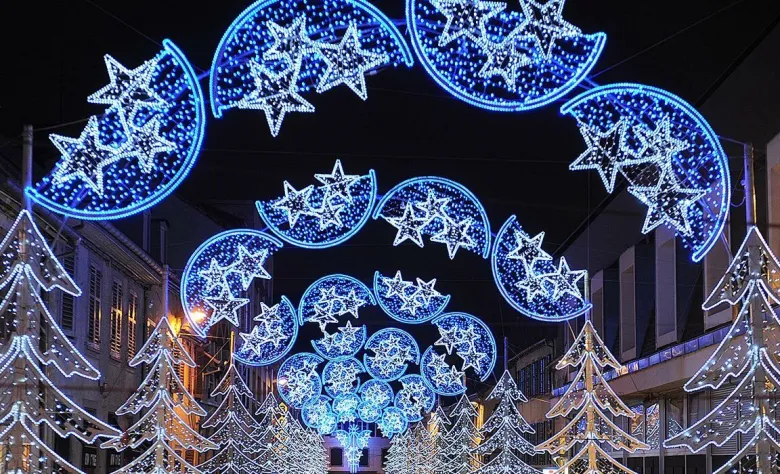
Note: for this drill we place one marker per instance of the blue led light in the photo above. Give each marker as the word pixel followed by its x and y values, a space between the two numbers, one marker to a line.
pixel 393 421
pixel 346 341
pixel 529 280
pixel 345 407
pixel 218 274
pixel 415 398
pixel 317 411
pixel 442 377
pixel 497 59
pixel 668 153
pixel 333 298
pixel 298 381
pixel 272 339
pixel 393 349
pixel 470 339
pixel 276 51
pixel 442 209
pixel 325 215
pixel 376 392
pixel 137 152
pixel 342 376
pixel 408 302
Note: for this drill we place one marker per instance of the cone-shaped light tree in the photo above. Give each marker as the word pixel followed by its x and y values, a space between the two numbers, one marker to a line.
pixel 167 402
pixel 398 460
pixel 591 397
pixel 233 426
pixel 28 397
pixel 460 441
pixel 748 357
pixel 503 432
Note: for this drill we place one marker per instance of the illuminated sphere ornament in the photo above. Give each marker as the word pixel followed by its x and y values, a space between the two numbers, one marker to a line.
pixel 665 150
pixel 324 215
pixel 218 275
pixel 342 376
pixel 277 53
pixel 495 58
pixel 346 341
pixel 376 392
pixel 333 299
pixel 317 412
pixel 407 301
pixel 392 422
pixel 389 352
pixel 138 150
pixel 441 209
pixel 415 398
pixel 530 281
pixel 298 381
pixel 271 338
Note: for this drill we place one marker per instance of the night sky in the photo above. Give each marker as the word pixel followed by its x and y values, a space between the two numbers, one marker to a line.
pixel 515 163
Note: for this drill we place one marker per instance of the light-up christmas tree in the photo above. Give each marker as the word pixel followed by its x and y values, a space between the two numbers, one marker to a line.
pixel 233 426
pixel 460 441
pixel 29 398
pixel 423 450
pixel 437 427
pixel 398 460
pixel 168 403
pixel 503 432
pixel 748 357
pixel 592 397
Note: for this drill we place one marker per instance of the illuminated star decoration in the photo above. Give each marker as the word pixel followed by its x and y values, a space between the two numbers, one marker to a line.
pixel 455 235
pixel 275 94
pixel 301 382
pixel 466 18
pixel 347 63
pixel 340 376
pixel 249 266
pixel 337 183
pixel 565 280
pixel 225 307
pixel 668 202
pixel 606 152
pixel 409 226
pixel 128 88
pixel 444 377
pixel 408 302
pixel 504 59
pixel 295 203
pixel 345 342
pixel 469 339
pixel 214 275
pixel 545 23
pixel 415 398
pixel 391 350
pixel 332 298
pixel 290 43
pixel 529 249
pixel 145 142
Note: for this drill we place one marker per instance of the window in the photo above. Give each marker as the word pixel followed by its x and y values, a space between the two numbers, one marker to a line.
pixel 336 457
pixel 384 456
pixel 68 301
pixel 132 311
pixel 364 458
pixel 116 320
pixel 93 328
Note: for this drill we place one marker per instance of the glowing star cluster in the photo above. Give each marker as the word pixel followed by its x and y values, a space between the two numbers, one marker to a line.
pixel 406 301
pixel 331 298
pixel 340 376
pixel 354 442
pixel 275 53
pixel 138 150
pixel 415 398
pixel 664 150
pixel 298 380
pixel 492 57
pixel 439 208
pixel 218 275
pixel 324 215
pixel 347 341
pixel 273 336
pixel 392 350
pixel 529 279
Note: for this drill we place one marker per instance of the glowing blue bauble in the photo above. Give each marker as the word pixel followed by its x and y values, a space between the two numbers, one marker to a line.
pixel 271 338
pixel 499 59
pixel 345 407
pixel 342 376
pixel 666 151
pixel 368 412
pixel 389 353
pixel 441 209
pixel 530 281
pixel 333 299
pixel 392 422
pixel 324 215
pixel 298 381
pixel 219 273
pixel 415 398
pixel 443 377
pixel 138 151
pixel 376 392
pixel 316 413
pixel 347 340
pixel 278 51
pixel 411 302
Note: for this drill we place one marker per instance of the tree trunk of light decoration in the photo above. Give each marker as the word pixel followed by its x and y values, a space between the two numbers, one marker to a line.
pixel 592 397
pixel 461 439
pixel 503 432
pixel 30 399
pixel 167 402
pixel 748 357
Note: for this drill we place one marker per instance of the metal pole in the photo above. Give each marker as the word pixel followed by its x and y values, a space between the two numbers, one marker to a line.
pixel 506 353
pixel 750 190
pixel 27 154
pixel 166 278
pixel 587 295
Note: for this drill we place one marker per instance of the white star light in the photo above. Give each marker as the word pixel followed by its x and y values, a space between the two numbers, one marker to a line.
pixel 347 63
pixel 533 285
pixel 128 88
pixel 322 316
pixel 545 23
pixel 351 303
pixel 466 18
pixel 565 281
pixel 225 307
pixel 658 144
pixel 348 337
pixel 425 291
pixel 472 358
pixel 396 285
pixel 328 215
pixel 295 203
pixel 450 338
pixel 337 183
pixel 290 43
pixel 214 275
pixel 249 266
pixel 268 315
pixel 529 250
pixel 433 207
pixel 606 152
pixel 504 59
pixel 668 202
pixel 275 94
pixel 84 158
pixel 145 142
pixel 455 235
pixel 408 225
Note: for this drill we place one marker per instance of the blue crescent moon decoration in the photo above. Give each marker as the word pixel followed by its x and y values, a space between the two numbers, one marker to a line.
pixel 321 216
pixel 138 151
pixel 298 381
pixel 276 51
pixel 442 209
pixel 376 392
pixel 497 59
pixel 668 153
pixel 470 339
pixel 408 302
pixel 272 339
pixel 346 341
pixel 393 349
pixel 529 280
pixel 219 273
pixel 332 298
pixel 393 421
pixel 316 411
pixel 442 377
pixel 345 407
pixel 415 398
pixel 342 376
